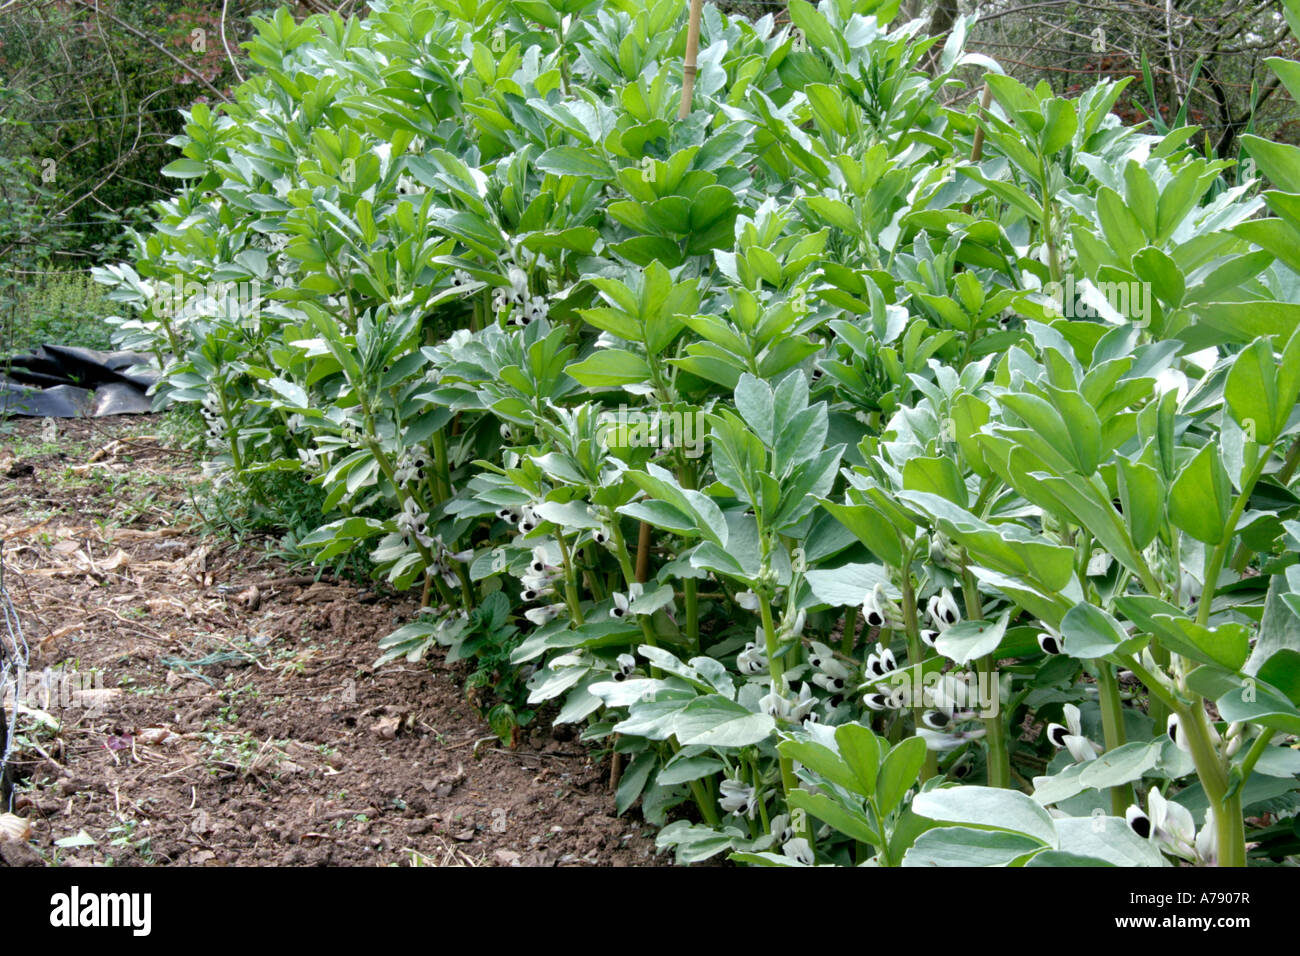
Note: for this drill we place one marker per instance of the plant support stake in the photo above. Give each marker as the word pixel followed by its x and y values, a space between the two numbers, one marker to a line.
pixel 692 48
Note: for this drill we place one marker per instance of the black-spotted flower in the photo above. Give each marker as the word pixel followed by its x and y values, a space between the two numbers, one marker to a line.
pixel 1070 737
pixel 736 796
pixel 943 610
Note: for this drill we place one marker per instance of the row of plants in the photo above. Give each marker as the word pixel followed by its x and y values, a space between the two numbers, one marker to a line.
pixel 878 478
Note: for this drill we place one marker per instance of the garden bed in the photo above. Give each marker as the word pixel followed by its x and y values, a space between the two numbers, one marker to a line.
pixel 289 748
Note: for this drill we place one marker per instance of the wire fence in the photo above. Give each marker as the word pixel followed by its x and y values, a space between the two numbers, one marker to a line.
pixel 14 658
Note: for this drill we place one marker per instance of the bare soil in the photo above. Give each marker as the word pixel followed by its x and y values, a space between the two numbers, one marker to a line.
pixel 236 717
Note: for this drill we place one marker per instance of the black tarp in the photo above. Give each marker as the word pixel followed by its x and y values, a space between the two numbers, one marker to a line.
pixel 58 381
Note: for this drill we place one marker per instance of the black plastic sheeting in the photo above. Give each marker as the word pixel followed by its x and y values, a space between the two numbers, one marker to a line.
pixel 58 381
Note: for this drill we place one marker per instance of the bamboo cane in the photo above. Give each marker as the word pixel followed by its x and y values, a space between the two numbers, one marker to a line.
pixel 692 49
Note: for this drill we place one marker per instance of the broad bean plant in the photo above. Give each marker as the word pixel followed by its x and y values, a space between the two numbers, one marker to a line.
pixel 877 472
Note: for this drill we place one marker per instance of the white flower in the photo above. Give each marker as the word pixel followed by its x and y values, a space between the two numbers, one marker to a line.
pixel 528 519
pixel 943 610
pixel 406 186
pixel 620 608
pixel 535 592
pixel 413 523
pixel 799 851
pixel 1050 643
pixel 935 719
pixel 772 704
pixel 747 600
pixel 534 308
pixel 626 664
pixel 928 637
pixel 310 459
pixel 823 659
pixel 780 828
pixel 1171 826
pixel 751 660
pixel 895 700
pixel 880 611
pixel 801 706
pixel 1174 727
pixel 1138 821
pixel 409 467
pixel 882 662
pixel 1071 737
pixel 460 279
pixel 828 683
pixel 544 615
pixel 737 797
pixel 1207 841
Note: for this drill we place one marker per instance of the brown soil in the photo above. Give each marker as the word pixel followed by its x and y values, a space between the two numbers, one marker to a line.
pixel 293 750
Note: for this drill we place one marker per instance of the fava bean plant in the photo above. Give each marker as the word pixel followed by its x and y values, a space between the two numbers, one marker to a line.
pixel 880 472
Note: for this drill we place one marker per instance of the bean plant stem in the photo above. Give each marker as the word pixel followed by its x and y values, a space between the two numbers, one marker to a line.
pixel 776 669
pixel 570 581
pixel 912 630
pixel 995 735
pixel 1112 726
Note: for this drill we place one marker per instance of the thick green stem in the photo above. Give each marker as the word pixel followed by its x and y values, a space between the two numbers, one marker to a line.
pixel 995 734
pixel 915 655
pixel 629 578
pixel 849 637
pixel 570 582
pixel 690 594
pixel 1212 771
pixel 775 667
pixel 1112 726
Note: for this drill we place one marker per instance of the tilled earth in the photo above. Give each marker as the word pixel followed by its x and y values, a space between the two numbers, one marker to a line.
pixel 222 707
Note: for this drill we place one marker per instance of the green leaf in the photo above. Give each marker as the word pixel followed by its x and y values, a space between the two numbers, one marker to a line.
pixel 1260 391
pixel 871 528
pixel 1280 162
pixel 1122 765
pixel 755 403
pixel 610 367
pixel 634 780
pixel 822 761
pixel 851 823
pixel 898 773
pixel 938 476
pixel 1224 644
pixel 1089 632
pixel 1142 499
pixel 1108 839
pixel 714 721
pixel 184 169
pixel 574 161
pixel 966 846
pixel 1244 321
pixel 970 640
pixel 1200 497
pixel 686 769
pixel 988 808
pixel 860 748
pixel 816 29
